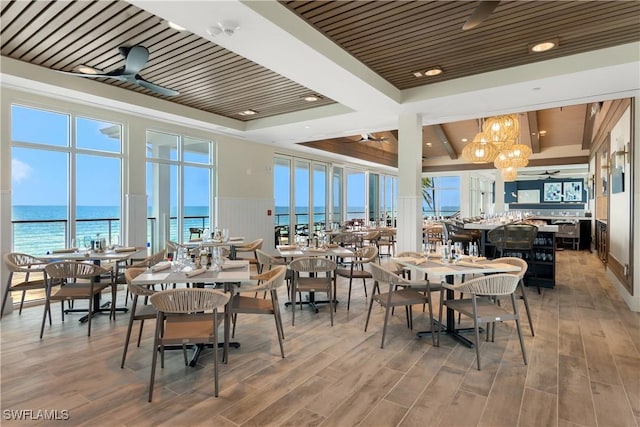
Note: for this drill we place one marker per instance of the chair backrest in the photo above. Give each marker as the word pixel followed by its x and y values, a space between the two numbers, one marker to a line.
pixel 456 232
pixel 569 231
pixel 433 233
pixel 188 300
pixel 73 269
pixel 140 290
pixel 264 259
pixel 493 284
pixel 271 279
pixel 313 265
pixel 367 253
pixel 383 275
pixel 252 246
pixel 513 236
pixel 388 233
pixel 372 235
pixel 514 261
pixel 345 239
pixel 17 262
pixel 152 259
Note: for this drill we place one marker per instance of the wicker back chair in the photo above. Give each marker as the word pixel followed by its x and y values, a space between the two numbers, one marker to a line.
pixel 356 269
pixel 27 265
pixel 66 274
pixel 516 238
pixel 187 316
pixel 269 281
pixel 140 312
pixel 523 269
pixel 485 310
pixel 348 240
pixel 399 292
pixel 387 239
pixel 569 231
pixel 321 279
pixel 250 248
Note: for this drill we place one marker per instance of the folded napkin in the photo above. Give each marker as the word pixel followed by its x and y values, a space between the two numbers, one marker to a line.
pixel 126 249
pixel 409 260
pixel 196 239
pixel 333 245
pixel 471 264
pixel 160 266
pixel 195 272
pixel 287 247
pixel 236 239
pixel 228 265
pixel 65 251
pixel 435 255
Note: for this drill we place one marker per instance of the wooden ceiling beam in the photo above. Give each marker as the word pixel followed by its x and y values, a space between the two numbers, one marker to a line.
pixel 576 160
pixel 445 142
pixel 534 133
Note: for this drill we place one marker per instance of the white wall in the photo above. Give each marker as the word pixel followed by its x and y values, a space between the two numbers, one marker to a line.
pixel 619 218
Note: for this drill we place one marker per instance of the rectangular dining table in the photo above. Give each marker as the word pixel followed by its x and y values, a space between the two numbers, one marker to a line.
pixel 116 256
pixel 449 271
pixel 290 252
pixel 235 272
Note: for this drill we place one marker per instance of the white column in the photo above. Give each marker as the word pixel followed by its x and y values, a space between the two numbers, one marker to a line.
pixel 134 231
pixel 5 195
pixel 465 194
pixel 409 225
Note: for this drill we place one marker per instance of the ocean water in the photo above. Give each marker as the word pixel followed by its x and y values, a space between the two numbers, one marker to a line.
pixel 47 226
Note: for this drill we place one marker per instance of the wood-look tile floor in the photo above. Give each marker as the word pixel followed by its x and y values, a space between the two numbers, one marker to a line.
pixel 584 368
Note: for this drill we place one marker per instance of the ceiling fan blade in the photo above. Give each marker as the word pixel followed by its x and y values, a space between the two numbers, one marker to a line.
pixel 109 75
pixel 484 9
pixel 136 58
pixel 154 87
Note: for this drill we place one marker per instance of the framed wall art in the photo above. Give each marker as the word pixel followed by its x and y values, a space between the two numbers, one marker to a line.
pixel 572 191
pixel 552 192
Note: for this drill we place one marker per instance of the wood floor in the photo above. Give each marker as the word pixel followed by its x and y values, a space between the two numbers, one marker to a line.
pixel 584 368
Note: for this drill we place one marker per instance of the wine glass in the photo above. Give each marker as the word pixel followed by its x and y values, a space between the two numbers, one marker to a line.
pixel 87 243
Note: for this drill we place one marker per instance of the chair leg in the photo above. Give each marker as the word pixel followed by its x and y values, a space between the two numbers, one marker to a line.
pixel 331 303
pixel 384 328
pixel 128 336
pixel 6 294
pixel 233 322
pixel 369 312
pixel 154 358
pixel 433 326
pixel 215 351
pixel 526 306
pixel 515 311
pixel 24 293
pixel 140 331
pixel 349 297
pixel 47 308
pixel 477 332
pixel 89 315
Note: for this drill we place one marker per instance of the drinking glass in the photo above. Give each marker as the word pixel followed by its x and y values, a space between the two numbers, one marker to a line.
pixel 225 235
pixel 87 242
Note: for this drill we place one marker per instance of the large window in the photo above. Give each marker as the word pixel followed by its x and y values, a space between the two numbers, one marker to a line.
pixel 445 196
pixel 180 173
pixel 66 179
pixel 355 197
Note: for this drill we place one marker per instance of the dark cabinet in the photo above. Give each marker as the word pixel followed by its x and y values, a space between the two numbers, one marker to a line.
pixel 543 264
pixel 601 240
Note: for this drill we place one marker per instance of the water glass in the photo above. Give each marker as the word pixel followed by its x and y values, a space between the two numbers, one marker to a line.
pixel 225 235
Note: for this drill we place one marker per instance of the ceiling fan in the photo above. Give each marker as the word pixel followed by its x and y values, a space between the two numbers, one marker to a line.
pixel 369 137
pixel 135 59
pixel 483 10
pixel 546 173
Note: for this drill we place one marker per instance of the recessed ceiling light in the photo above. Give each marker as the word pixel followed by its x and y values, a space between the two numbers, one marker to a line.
pixel 417 74
pixel 85 69
pixel 307 127
pixel 543 46
pixel 433 71
pixel 542 132
pixel 311 98
pixel 248 113
pixel 464 139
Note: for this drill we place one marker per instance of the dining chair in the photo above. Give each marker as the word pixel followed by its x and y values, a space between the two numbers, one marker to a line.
pixel 356 270
pixel 139 312
pixel 482 307
pixel 399 292
pixel 187 316
pixel 387 240
pixel 523 269
pixel 269 281
pixel 251 249
pixel 27 266
pixel 77 280
pixel 267 262
pixel 147 262
pixel 320 279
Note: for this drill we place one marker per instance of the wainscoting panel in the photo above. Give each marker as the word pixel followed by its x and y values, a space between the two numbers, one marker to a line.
pixel 248 218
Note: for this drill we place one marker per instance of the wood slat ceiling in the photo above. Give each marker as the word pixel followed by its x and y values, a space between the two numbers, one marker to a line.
pixel 397 38
pixel 64 34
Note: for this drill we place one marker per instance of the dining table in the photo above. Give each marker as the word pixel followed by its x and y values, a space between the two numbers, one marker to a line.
pixel 230 273
pixel 289 252
pixel 117 256
pixel 232 243
pixel 449 271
